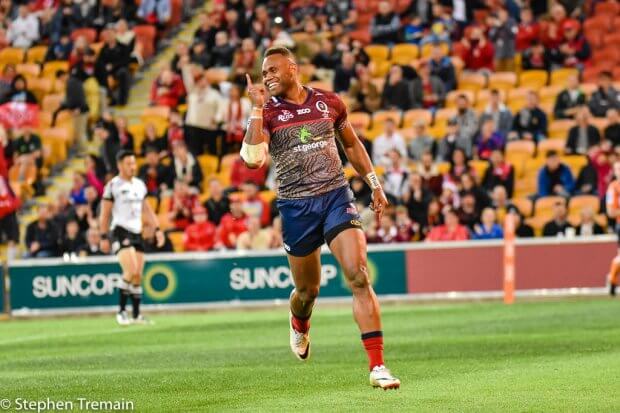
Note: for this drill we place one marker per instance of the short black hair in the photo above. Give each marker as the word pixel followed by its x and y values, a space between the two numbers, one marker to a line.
pixel 281 50
pixel 122 154
pixel 552 153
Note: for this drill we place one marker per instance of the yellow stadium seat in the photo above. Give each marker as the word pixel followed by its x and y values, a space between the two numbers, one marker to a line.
pixel 443 115
pixel 349 172
pixel 472 81
pixel 50 68
pixel 379 83
pixel 544 205
pixel 517 98
pixel 483 97
pixel 547 145
pixel 534 79
pixel 537 223
pixel 379 118
pixel 156 111
pixel 479 166
pixel 137 130
pixel 28 69
pixel 36 54
pixel 377 52
pixel 164 204
pixel 579 202
pixel 502 80
pixel 379 68
pixel 40 87
pixel 575 163
pixel 372 133
pixel 176 238
pixel 443 167
pixel 558 129
pixel 160 124
pixel 458 64
pixel 268 195
pixel 11 55
pixel 51 102
pixel 589 88
pixel 600 124
pixel 411 116
pixel 208 164
pixel 521 146
pixel 548 94
pixel 153 202
pixel 560 76
pixel 404 53
pixel 228 161
pixel 306 72
pixel 359 120
pixel 427 48
pixel 524 205
pixel 438 130
pixel 452 96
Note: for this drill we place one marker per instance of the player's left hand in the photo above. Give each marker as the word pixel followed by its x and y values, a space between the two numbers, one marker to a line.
pixel 159 236
pixel 379 202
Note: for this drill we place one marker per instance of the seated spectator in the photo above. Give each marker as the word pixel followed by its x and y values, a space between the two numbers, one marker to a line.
pixel 345 73
pixel 240 174
pixel 468 185
pixel 536 57
pixel 500 202
pixel 587 178
pixel 253 204
pixel 583 135
pixel 429 172
pixel 555 178
pixel 42 236
pixel 217 204
pixel 128 38
pixel 413 32
pixel 605 97
pixel 152 142
pixel 9 227
pixel 181 206
pixel 458 166
pixel 245 61
pixel 588 226
pixel 451 141
pixel 498 113
pixel 326 60
pixel 416 197
pixel 167 89
pixel 232 224
pixel 92 201
pixel 467 121
pixel 388 140
pixel 422 142
pixel 201 234
pixel 385 26
pixel 468 211
pixel 364 92
pixel 502 32
pixel 527 31
pixel 254 238
pixel 73 241
pixel 437 34
pixel 155 12
pixel 489 140
pixel 395 177
pixel 575 49
pixel 200 57
pixel 175 131
pixel 156 176
pixel 488 227
pixel 236 116
pixel 74 101
pixel 552 33
pixel 531 122
pixel 522 230
pixel 570 100
pixel 397 91
pixel 6 80
pixel 181 57
pixel 150 241
pixel 19 92
pixel 60 49
pixel 77 195
pixel 27 148
pixel 479 52
pixel 185 167
pixel 442 67
pixel 206 30
pixel 499 172
pixel 428 90
pixel 434 217
pixel 62 210
pixel 384 233
pixel 407 230
pixel 125 137
pixel 450 231
pixel 558 226
pixel 93 241
pixel 113 65
pixel 223 52
pixel 612 130
pixel 24 30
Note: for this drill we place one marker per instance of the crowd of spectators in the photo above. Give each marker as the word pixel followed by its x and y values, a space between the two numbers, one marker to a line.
pixel 203 88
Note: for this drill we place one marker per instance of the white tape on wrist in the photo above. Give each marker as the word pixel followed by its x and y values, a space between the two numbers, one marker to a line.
pixel 373 180
pixel 253 154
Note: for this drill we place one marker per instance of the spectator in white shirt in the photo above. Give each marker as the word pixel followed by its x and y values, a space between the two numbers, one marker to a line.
pixel 396 177
pixel 390 139
pixel 24 30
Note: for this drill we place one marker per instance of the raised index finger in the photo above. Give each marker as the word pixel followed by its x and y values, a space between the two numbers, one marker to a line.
pixel 249 80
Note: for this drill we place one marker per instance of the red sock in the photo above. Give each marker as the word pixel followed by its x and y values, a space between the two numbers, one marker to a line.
pixel 301 325
pixel 373 343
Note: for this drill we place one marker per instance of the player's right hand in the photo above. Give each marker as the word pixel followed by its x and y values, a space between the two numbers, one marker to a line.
pixel 256 93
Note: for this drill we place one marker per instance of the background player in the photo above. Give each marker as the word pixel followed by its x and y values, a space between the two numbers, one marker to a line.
pixel 299 126
pixel 124 201
pixel 613 211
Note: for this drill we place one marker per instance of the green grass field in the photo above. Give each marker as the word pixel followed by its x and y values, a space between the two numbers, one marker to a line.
pixel 533 356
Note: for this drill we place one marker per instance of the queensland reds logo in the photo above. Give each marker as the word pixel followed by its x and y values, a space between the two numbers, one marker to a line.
pixel 285 116
pixel 322 107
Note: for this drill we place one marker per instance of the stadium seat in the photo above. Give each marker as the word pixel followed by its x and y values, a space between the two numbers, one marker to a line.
pixel 517 153
pixel 88 33
pixel 377 52
pixel 452 96
pixel 594 35
pixel 517 98
pixel 306 72
pixel 558 129
pixel 606 8
pixel 601 21
pixel 534 79
pixel 153 202
pixel 378 118
pixel 548 94
pixel 502 80
pixel 443 167
pixel 361 35
pixel 600 124
pixel 11 55
pixel 404 53
pixel 472 81
pixel 483 96
pixel 575 163
pixel 379 68
pixel 606 55
pixel 51 102
pixel 379 83
pixel 547 145
pixel 217 75
pixel 611 39
pixel 413 115
pixel 28 69
pixel 40 87
pixel 438 130
pixel 359 120
pixel 578 202
pixel 427 49
pixel 50 68
pixel 559 76
pixel 479 166
pixel 524 205
pixel 443 115
pixel 156 111
pixel 176 238
pixel 544 205
pixel 145 35
pixel 268 196
pixel 36 54
pixel 319 84
pixel 208 164
pixel 589 88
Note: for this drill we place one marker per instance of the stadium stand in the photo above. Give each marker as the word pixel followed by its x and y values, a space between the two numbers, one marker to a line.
pixel 432 97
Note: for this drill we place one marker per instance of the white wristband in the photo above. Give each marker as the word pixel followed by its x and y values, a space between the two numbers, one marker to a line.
pixel 373 180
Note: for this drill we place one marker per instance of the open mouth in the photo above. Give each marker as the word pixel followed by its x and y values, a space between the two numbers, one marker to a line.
pixel 272 85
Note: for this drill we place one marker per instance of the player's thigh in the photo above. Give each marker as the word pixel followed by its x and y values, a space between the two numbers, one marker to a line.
pixel 128 261
pixel 306 271
pixel 139 267
pixel 349 248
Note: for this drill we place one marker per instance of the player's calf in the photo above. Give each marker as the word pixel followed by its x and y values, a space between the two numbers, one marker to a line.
pixel 136 298
pixel 124 293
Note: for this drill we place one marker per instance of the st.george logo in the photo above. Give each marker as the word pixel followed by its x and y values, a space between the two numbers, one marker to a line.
pixel 285 116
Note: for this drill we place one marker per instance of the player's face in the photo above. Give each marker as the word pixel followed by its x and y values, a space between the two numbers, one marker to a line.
pixel 279 74
pixel 127 166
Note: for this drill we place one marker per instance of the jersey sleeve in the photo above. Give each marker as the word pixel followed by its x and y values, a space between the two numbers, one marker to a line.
pixel 107 192
pixel 341 113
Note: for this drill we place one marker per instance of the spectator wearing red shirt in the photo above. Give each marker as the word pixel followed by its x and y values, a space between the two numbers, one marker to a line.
pixel 201 235
pixel 5 146
pixel 575 50
pixel 95 172
pixel 450 231
pixel 479 52
pixel 167 89
pixel 9 204
pixel 232 224
pixel 155 175
pixel 551 32
pixel 175 131
pixel 182 204
pixel 241 174
pixel 528 30
pixel 254 205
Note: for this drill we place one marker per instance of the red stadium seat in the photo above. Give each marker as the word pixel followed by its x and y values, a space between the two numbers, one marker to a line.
pixel 89 34
pixel 145 34
pixel 607 8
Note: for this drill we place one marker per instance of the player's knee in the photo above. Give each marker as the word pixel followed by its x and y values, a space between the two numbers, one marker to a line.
pixel 308 294
pixel 357 276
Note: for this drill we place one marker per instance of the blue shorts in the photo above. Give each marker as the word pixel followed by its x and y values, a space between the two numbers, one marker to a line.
pixel 308 222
